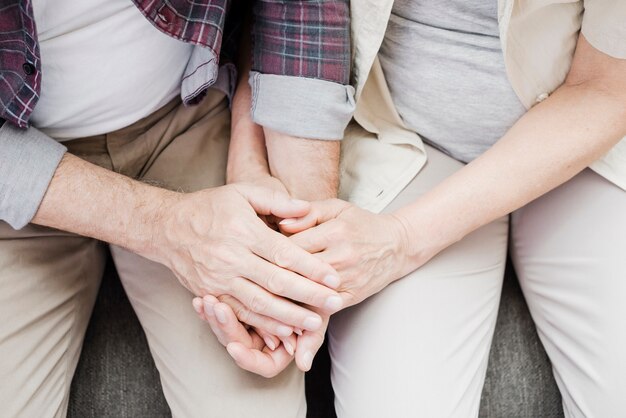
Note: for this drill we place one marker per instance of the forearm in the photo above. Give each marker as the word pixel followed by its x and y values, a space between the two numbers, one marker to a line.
pixel 299 91
pixel 92 201
pixel 550 144
pixel 308 168
pixel 247 156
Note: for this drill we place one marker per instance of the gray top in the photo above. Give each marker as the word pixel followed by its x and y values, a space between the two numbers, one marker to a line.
pixel 444 66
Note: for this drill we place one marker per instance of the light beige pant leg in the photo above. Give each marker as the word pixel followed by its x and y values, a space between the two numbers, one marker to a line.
pixel 420 347
pixel 569 250
pixel 198 376
pixel 48 285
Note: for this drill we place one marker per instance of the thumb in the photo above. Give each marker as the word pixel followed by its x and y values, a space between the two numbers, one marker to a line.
pixel 307 346
pixel 266 201
pixel 320 212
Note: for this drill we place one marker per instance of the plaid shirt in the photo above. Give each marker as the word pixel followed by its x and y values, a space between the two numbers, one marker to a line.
pixel 300 38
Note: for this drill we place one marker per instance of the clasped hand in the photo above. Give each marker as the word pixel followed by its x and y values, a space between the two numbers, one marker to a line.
pixel 367 250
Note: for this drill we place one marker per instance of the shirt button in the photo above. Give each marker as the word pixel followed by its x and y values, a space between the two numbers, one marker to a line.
pixel 29 69
pixel 542 97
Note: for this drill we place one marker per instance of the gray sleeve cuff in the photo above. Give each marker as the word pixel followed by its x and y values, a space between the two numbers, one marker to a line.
pixel 28 160
pixel 302 107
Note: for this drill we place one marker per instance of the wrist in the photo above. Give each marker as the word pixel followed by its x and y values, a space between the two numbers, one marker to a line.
pixel 311 190
pixel 422 235
pixel 151 221
pixel 409 254
pixel 292 159
pixel 245 173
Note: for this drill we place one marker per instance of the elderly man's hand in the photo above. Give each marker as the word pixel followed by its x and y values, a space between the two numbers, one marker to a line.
pixel 215 243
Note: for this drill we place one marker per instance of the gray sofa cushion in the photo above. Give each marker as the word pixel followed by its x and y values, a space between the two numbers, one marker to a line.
pixel 116 376
pixel 519 382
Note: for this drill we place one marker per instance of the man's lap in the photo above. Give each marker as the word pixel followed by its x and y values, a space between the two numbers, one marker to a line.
pixel 198 376
pixel 48 287
pixel 178 147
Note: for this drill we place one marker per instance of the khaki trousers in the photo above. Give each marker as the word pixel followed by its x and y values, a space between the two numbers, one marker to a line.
pixel 49 280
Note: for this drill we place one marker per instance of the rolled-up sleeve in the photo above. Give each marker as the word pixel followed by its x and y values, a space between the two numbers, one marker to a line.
pixel 28 160
pixel 604 26
pixel 301 67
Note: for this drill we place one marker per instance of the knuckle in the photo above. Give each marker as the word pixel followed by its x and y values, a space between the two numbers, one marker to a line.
pixel 282 255
pixel 314 298
pixel 258 303
pixel 342 227
pixel 234 288
pixel 227 299
pixel 243 314
pixel 275 283
pixel 223 255
pixel 350 256
pixel 352 253
pixel 319 268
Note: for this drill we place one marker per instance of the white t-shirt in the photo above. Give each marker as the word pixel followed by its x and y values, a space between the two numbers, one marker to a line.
pixel 104 67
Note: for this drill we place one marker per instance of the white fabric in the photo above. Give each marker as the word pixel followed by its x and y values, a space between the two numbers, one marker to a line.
pixel 104 67
pixel 538 40
pixel 568 249
pixel 419 348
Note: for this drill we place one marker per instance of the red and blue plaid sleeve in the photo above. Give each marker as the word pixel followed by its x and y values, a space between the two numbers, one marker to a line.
pixel 303 38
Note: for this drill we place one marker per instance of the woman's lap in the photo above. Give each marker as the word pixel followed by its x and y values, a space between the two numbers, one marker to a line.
pixel 569 251
pixel 420 347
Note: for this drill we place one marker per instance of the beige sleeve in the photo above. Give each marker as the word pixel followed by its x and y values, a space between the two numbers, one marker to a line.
pixel 604 26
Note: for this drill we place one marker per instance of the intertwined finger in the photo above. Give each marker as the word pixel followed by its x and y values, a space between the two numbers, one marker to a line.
pixel 320 212
pixel 248 350
pixel 283 282
pixel 282 252
pixel 313 240
pixel 223 322
pixel 259 300
pixel 266 201
pixel 258 321
pixel 266 363
pixel 307 346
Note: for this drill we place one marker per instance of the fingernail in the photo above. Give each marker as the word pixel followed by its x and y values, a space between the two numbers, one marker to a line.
pixel 299 202
pixel 307 359
pixel 208 308
pixel 269 343
pixel 287 221
pixel 297 331
pixel 220 315
pixel 283 331
pixel 288 347
pixel 331 281
pixel 197 304
pixel 333 303
pixel 312 323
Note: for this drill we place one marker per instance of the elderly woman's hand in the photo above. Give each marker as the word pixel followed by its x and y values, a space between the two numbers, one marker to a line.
pixel 251 348
pixel 368 250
